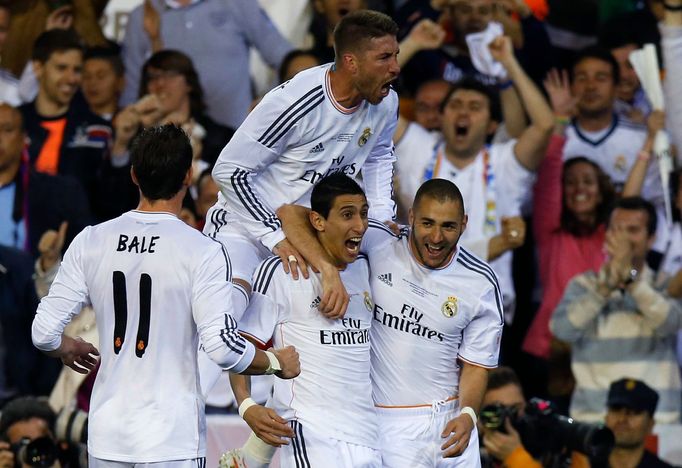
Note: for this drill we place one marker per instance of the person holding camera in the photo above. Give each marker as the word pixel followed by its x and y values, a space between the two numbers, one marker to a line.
pixel 501 442
pixel 503 404
pixel 26 430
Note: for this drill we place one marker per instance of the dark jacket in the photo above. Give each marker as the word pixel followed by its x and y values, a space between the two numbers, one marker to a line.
pixel 84 154
pixel 27 371
pixel 51 200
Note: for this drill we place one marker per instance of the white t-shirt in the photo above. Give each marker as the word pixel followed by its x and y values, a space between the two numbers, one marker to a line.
pixel 494 185
pixel 412 152
pixel 295 136
pixel 9 89
pixel 425 319
pixel 615 149
pixel 333 394
pixel 157 286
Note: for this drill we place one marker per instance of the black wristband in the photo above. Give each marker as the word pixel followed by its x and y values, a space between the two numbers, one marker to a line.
pixel 672 7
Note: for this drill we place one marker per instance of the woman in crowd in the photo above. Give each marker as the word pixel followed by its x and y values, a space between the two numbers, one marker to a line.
pixel 171 82
pixel 571 207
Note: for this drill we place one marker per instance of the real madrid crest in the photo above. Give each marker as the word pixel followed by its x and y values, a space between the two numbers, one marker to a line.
pixel 368 302
pixel 366 133
pixel 449 307
pixel 620 164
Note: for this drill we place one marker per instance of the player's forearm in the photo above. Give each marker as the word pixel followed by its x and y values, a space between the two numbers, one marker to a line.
pixel 301 234
pixel 241 387
pixel 473 381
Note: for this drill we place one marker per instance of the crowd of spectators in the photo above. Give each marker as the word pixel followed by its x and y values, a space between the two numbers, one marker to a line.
pixel 531 107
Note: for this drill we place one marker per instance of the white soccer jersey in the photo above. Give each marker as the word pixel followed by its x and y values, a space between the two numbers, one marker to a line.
pixel 426 319
pixel 333 394
pixel 615 150
pixel 295 136
pixel 156 286
pixel 493 186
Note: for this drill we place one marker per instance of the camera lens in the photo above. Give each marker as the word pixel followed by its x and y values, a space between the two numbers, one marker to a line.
pixel 39 453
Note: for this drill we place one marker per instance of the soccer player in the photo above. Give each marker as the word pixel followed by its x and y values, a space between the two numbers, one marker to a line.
pixel 329 405
pixel 339 117
pixel 157 286
pixel 436 329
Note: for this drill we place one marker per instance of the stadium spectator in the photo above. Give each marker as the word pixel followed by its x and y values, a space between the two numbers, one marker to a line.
pixel 495 180
pixel 9 85
pixel 217 35
pixel 571 201
pixel 326 16
pixel 618 322
pixel 103 79
pixel 452 61
pixel 32 202
pixel 295 61
pixel 66 138
pixel 671 45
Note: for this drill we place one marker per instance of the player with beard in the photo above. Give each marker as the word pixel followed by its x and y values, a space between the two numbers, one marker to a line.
pixel 338 117
pixel 437 326
pixel 436 329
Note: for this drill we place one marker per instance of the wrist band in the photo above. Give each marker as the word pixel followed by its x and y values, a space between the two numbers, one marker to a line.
pixel 562 119
pixel 505 85
pixel 669 7
pixel 246 404
pixel 644 155
pixel 470 411
pixel 274 365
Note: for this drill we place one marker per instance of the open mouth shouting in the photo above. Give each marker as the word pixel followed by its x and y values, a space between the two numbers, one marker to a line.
pixel 461 130
pixel 353 245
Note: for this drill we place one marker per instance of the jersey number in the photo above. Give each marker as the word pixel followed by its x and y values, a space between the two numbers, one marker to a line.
pixel 121 312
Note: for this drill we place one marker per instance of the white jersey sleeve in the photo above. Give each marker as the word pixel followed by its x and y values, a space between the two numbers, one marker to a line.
pixel 377 172
pixel 211 299
pixel 68 295
pixel 268 302
pixel 260 140
pixel 377 235
pixel 480 345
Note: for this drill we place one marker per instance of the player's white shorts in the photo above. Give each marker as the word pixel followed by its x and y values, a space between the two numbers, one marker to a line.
pixel 191 463
pixel 308 449
pixel 245 251
pixel 412 437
